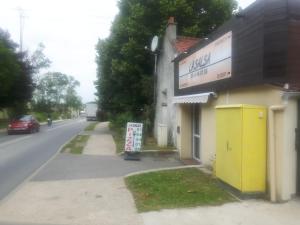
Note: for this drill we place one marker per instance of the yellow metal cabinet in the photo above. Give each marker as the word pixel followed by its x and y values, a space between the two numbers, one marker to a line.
pixel 241 146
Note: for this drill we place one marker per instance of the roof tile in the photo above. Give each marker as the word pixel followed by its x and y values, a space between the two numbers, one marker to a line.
pixel 182 43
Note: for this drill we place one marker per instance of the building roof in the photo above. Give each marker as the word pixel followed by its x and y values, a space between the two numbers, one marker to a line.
pixel 182 43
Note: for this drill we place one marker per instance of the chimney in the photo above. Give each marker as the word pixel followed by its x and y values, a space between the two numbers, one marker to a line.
pixel 171 30
pixel 171 20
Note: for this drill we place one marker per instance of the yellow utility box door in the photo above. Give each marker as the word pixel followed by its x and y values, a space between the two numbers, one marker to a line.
pixel 229 136
pixel 254 149
pixel 241 146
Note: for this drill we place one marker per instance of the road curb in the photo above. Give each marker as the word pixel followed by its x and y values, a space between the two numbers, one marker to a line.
pixel 162 169
pixel 25 181
pixel 151 151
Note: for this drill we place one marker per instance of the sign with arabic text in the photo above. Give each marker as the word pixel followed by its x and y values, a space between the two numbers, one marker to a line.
pixel 133 141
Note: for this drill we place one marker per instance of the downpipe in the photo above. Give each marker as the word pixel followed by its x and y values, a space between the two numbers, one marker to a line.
pixel 272 151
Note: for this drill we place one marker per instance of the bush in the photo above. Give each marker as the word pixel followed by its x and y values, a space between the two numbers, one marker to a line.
pixel 120 120
pixel 40 116
pixel 66 115
pixel 55 115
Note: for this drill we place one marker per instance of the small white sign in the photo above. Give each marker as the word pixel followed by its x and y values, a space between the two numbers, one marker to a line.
pixel 133 141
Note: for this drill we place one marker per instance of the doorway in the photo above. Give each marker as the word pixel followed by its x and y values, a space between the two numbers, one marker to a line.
pixel 196 131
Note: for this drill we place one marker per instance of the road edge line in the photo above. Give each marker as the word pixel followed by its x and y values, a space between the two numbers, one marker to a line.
pixel 26 180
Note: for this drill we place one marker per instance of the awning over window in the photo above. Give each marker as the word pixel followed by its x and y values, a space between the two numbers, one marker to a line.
pixel 197 98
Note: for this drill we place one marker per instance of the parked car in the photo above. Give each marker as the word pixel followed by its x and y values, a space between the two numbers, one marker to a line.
pixel 23 124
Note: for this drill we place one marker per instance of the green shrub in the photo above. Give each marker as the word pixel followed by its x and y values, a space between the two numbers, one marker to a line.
pixel 40 116
pixel 3 123
pixel 120 120
pixel 55 115
pixel 66 115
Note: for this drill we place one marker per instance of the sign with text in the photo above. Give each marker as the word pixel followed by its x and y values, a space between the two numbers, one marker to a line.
pixel 133 141
pixel 210 63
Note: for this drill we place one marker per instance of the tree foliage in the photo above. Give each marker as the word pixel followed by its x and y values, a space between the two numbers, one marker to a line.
pixel 39 60
pixel 16 85
pixel 125 68
pixel 56 92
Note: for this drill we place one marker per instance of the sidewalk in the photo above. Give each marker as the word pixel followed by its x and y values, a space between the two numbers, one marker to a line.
pixel 89 189
pixel 85 189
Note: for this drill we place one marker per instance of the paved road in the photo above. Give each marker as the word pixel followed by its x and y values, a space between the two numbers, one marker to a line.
pixel 21 155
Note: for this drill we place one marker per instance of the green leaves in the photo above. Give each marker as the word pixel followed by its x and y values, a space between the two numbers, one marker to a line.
pixel 56 92
pixel 16 85
pixel 125 68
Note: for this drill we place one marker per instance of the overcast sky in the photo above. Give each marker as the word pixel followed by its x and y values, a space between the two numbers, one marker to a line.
pixel 69 29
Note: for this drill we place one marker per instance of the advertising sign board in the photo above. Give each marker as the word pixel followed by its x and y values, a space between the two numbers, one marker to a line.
pixel 210 63
pixel 133 141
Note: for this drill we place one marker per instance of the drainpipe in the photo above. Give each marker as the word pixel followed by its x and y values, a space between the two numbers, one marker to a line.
pixel 272 150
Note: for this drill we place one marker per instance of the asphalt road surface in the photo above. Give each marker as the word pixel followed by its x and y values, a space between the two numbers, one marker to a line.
pixel 22 154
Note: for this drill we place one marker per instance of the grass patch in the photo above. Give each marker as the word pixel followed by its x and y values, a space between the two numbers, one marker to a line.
pixel 149 143
pixel 175 189
pixel 76 145
pixel 91 126
pixel 119 138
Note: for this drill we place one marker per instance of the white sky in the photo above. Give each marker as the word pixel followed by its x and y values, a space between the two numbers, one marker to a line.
pixel 69 29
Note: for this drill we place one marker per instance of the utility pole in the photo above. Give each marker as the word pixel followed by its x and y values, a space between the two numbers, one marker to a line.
pixel 21 18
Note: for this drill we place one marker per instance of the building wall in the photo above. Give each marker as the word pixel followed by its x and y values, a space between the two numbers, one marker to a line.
pixel 165 111
pixel 263 95
pixel 285 123
pixel 265 47
pixel 184 142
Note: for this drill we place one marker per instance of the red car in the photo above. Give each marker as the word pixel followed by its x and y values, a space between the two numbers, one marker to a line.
pixel 23 124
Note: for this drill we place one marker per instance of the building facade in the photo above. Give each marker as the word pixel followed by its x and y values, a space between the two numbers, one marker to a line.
pixel 165 112
pixel 250 60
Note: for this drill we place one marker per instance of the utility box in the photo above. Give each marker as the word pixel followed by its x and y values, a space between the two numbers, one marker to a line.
pixel 162 135
pixel 241 146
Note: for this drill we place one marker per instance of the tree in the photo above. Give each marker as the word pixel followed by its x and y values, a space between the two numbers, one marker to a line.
pixel 125 69
pixel 56 92
pixel 39 60
pixel 16 85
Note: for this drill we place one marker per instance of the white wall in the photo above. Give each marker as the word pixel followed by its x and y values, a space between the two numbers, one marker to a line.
pixel 165 111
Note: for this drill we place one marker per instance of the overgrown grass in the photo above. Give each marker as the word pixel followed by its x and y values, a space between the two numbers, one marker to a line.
pixel 175 189
pixel 119 138
pixel 149 142
pixel 76 145
pixel 91 126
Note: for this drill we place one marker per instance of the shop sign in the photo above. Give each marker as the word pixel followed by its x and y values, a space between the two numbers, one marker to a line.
pixel 133 141
pixel 211 63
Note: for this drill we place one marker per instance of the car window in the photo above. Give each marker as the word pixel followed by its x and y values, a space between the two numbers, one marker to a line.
pixel 24 118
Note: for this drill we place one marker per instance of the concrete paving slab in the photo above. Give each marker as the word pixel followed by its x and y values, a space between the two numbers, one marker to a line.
pixel 102 128
pixel 251 212
pixel 82 202
pixel 67 166
pixel 101 144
